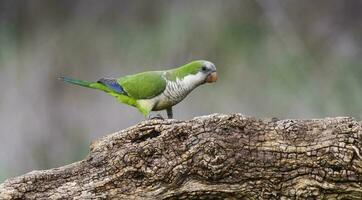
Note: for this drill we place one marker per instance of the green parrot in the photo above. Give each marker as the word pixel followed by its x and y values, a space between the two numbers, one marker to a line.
pixel 155 90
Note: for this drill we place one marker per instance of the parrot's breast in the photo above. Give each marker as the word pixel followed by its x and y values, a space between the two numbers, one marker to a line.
pixel 175 92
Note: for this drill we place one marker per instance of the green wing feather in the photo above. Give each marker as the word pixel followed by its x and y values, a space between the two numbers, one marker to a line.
pixel 144 85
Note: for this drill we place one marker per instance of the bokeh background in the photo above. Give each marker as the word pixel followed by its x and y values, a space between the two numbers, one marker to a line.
pixel 286 59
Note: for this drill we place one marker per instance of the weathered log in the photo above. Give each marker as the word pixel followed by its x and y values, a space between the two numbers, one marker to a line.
pixel 210 157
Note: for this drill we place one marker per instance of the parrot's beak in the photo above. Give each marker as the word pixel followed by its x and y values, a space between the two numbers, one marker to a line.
pixel 211 77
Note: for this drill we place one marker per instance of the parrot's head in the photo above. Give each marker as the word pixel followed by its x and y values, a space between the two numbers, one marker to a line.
pixel 194 73
pixel 208 70
pixel 200 72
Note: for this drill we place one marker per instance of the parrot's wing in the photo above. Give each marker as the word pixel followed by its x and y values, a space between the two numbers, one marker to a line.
pixel 113 85
pixel 144 85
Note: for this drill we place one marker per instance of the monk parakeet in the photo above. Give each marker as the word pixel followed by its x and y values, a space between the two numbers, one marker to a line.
pixel 155 90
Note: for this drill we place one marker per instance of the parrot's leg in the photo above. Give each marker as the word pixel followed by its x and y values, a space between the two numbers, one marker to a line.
pixel 169 113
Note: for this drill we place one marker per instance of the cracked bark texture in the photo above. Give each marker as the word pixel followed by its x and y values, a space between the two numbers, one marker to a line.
pixel 211 157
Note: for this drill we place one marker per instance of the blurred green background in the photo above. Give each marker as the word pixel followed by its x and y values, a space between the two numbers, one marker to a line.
pixel 286 59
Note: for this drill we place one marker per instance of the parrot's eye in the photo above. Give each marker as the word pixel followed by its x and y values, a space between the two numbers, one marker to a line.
pixel 203 68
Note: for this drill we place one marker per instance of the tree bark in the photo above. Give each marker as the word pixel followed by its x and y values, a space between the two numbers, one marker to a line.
pixel 211 157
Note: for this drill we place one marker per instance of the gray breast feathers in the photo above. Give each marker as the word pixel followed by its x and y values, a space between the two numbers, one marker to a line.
pixel 176 90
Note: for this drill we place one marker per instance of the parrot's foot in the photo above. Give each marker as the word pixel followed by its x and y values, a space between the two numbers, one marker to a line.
pixel 158 116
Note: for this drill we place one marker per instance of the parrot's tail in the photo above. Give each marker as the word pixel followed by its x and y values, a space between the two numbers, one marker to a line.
pixel 88 84
pixel 77 82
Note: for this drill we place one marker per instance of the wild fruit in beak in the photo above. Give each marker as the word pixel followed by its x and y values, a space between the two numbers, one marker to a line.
pixel 211 77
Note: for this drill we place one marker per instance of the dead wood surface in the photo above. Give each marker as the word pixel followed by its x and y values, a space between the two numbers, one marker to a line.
pixel 211 157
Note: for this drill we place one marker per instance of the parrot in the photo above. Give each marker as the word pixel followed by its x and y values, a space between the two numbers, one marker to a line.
pixel 154 90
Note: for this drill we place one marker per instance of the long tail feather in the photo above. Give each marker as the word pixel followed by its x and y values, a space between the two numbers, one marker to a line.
pixel 76 82
pixel 113 90
pixel 88 84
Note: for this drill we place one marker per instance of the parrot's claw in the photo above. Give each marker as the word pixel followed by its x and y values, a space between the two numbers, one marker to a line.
pixel 158 116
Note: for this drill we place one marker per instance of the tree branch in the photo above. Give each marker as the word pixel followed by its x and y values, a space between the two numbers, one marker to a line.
pixel 216 156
